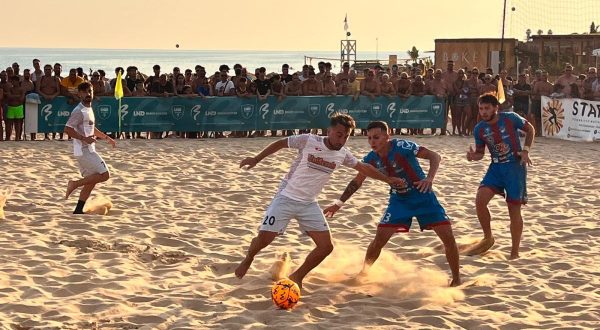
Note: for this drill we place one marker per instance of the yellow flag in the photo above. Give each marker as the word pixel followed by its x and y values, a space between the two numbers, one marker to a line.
pixel 501 97
pixel 118 87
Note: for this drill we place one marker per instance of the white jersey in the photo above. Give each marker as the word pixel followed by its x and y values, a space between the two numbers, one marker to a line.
pixel 312 168
pixel 83 121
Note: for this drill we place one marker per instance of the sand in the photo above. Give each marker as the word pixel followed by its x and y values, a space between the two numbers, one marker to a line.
pixel 183 214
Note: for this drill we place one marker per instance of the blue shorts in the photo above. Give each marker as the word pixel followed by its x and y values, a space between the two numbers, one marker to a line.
pixel 508 180
pixel 424 206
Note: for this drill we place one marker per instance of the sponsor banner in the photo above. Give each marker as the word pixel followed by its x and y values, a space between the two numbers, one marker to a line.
pixel 571 119
pixel 152 114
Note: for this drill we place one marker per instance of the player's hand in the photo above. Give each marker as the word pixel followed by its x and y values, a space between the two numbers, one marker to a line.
pixel 330 210
pixel 249 162
pixel 424 185
pixel 89 139
pixel 471 154
pixel 525 160
pixel 396 182
pixel 112 142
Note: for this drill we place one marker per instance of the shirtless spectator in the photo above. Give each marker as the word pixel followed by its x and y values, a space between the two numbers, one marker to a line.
pixel 387 87
pixel 49 86
pixel 344 74
pixel 566 80
pixel 241 90
pixel 57 68
pixel 580 89
pixel 403 86
pixel 312 86
pixel 438 88
pixel 98 86
pixel 277 87
pixel 488 86
pixel 329 88
pixel 461 100
pixel 417 87
pixel 162 87
pixel 522 91
pixel 2 119
pixel 294 87
pixel 15 112
pixel 328 71
pixel 224 87
pixel 82 74
pixel 213 80
pixel 237 71
pixel 200 85
pixel 343 87
pixel 131 78
pixel 369 86
pixel 541 88
pixel 139 90
pixel 69 87
pixel 395 75
pixel 16 71
pixel 321 73
pixel 26 83
pixel 105 80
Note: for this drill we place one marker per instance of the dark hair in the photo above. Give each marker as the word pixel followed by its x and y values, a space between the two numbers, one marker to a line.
pixel 48 66
pixel 378 124
pixel 84 86
pixel 285 66
pixel 119 69
pixel 55 64
pixel 342 119
pixel 101 72
pixel 488 98
pixel 237 65
pixel 156 67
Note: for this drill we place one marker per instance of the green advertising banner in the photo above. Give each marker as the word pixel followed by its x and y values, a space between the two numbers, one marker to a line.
pixel 152 114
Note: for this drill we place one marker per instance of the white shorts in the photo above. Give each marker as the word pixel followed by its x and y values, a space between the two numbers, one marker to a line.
pixel 282 209
pixel 91 163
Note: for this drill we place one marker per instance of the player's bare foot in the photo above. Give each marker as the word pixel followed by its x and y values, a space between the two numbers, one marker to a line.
pixel 241 270
pixel 71 185
pixel 280 267
pixel 514 256
pixel 455 282
pixel 296 280
pixel 481 247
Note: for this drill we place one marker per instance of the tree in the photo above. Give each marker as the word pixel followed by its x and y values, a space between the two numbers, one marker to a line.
pixel 593 28
pixel 540 32
pixel 413 53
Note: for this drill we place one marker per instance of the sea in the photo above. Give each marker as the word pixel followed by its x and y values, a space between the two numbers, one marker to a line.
pixel 144 59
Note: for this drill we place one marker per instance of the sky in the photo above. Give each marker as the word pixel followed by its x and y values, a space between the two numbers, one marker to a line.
pixel 392 25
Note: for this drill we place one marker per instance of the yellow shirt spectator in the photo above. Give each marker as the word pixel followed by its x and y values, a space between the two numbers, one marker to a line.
pixel 71 86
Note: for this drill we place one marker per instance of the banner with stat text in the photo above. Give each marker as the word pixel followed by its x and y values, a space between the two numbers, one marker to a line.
pixel 571 119
pixel 155 114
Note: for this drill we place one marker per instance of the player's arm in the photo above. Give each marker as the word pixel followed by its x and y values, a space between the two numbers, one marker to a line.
pixel 475 154
pixel 74 135
pixel 101 135
pixel 434 163
pixel 529 136
pixel 351 188
pixel 272 148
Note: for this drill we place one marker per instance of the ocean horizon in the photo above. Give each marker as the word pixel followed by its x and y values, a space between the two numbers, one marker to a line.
pixel 144 59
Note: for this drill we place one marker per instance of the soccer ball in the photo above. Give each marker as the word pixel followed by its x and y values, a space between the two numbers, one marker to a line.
pixel 285 293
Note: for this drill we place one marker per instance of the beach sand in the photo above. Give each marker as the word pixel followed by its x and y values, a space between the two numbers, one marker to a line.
pixel 183 214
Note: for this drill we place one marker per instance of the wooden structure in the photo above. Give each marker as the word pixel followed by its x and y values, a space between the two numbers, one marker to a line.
pixel 481 53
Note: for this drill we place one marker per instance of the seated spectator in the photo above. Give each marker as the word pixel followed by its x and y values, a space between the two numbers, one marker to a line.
pixel 329 88
pixel 403 86
pixel 387 87
pixel 370 86
pixel 417 87
pixel 343 87
pixel 312 86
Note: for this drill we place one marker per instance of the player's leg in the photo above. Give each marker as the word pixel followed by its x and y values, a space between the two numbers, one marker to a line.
pixel 516 228
pixel 262 240
pixel 516 195
pixel 275 221
pixel 445 234
pixel 484 195
pixel 382 236
pixel 323 248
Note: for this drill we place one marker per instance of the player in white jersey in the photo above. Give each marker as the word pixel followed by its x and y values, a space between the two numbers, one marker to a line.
pixel 296 198
pixel 82 129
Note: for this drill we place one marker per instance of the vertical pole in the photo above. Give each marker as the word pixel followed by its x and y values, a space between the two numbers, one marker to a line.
pixel 502 40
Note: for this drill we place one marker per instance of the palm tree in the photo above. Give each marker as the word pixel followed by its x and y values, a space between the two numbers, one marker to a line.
pixel 413 53
pixel 540 32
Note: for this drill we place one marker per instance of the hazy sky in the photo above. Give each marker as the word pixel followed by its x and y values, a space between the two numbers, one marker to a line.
pixel 254 25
